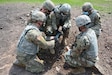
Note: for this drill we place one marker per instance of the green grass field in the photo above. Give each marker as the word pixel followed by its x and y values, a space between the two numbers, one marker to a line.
pixel 101 5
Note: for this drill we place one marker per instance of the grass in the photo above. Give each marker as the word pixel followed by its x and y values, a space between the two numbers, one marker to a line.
pixel 101 5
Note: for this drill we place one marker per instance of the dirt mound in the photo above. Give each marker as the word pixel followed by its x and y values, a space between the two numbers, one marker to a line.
pixel 12 23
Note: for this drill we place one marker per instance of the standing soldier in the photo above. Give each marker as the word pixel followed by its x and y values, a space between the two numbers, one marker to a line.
pixel 30 41
pixel 88 9
pixel 84 52
pixel 61 18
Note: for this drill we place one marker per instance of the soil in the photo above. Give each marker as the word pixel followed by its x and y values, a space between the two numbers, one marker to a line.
pixel 12 22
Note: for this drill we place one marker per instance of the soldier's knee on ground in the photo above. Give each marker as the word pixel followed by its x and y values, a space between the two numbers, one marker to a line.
pixel 35 66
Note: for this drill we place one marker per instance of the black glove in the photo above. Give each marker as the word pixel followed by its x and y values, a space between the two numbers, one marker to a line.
pixel 58 34
pixel 64 29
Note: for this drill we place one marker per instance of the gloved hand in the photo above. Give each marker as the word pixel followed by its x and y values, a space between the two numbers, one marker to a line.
pixel 64 28
pixel 49 32
pixel 57 36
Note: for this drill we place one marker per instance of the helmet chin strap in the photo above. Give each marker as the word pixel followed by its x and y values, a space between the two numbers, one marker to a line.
pixel 82 28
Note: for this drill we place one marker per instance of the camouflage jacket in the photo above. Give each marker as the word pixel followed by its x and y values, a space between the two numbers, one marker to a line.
pixel 31 39
pixel 95 22
pixel 59 20
pixel 86 45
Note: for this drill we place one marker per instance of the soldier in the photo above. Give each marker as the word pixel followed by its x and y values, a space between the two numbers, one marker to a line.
pixel 29 43
pixel 60 17
pixel 94 15
pixel 47 8
pixel 84 52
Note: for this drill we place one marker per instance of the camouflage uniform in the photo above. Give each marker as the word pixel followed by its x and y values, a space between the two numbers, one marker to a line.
pixel 85 50
pixel 95 22
pixel 94 16
pixel 48 5
pixel 47 8
pixel 61 17
pixel 28 46
pixel 48 28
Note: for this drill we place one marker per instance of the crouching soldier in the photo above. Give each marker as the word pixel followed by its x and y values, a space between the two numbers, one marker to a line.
pixel 30 41
pixel 61 20
pixel 94 15
pixel 84 52
pixel 47 8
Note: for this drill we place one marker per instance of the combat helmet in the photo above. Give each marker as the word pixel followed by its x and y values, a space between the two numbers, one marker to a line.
pixel 37 16
pixel 49 5
pixel 82 20
pixel 87 6
pixel 65 8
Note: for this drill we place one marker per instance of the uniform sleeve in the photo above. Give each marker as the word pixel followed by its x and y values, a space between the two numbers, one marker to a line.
pixel 36 37
pixel 53 18
pixel 67 23
pixel 97 19
pixel 97 22
pixel 81 44
pixel 31 35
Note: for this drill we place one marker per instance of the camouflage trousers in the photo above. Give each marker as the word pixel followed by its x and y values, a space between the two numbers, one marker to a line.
pixel 78 61
pixel 30 61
